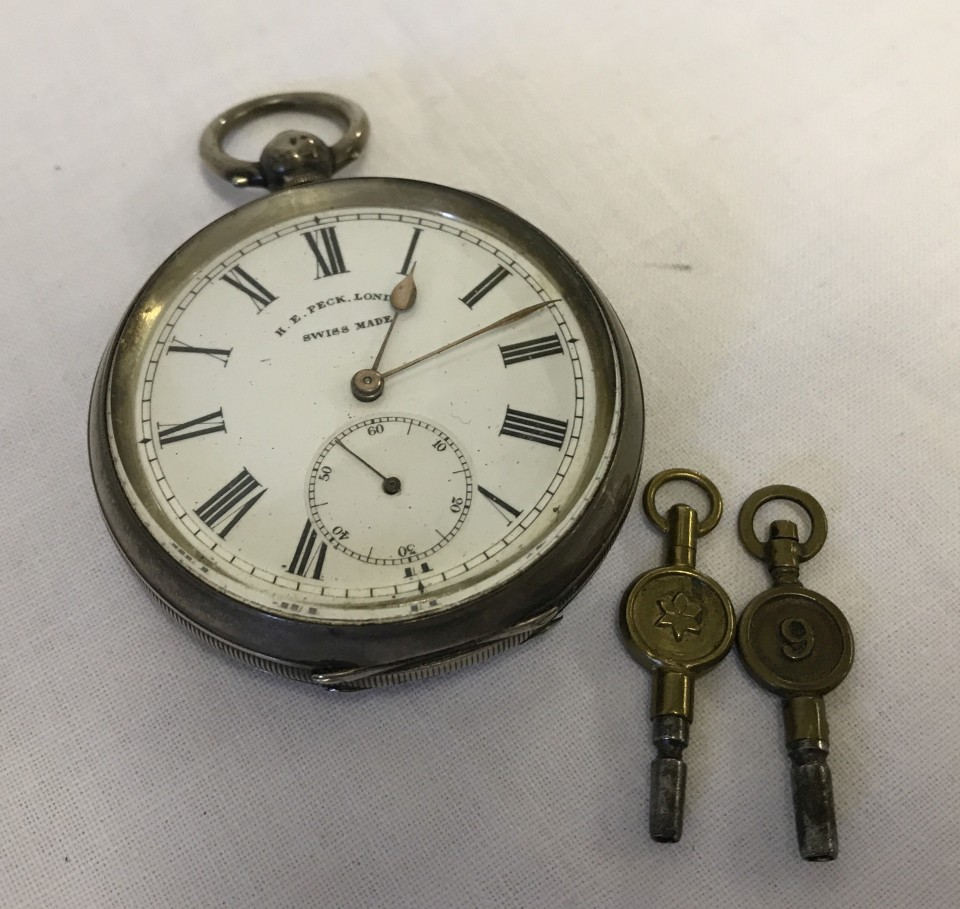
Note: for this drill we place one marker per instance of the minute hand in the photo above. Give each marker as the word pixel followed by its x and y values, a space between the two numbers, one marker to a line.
pixel 506 320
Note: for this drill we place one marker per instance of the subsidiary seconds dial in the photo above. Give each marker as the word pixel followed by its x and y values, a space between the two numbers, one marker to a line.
pixel 390 490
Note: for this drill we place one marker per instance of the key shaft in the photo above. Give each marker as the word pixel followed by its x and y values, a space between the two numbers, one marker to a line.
pixel 672 713
pixel 668 778
pixel 808 744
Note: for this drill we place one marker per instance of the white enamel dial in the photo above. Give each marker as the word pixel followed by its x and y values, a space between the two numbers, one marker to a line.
pixel 269 478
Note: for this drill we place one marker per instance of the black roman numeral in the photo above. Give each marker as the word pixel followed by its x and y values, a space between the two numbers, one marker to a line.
pixel 534 428
pixel 224 509
pixel 307 559
pixel 485 286
pixel 405 268
pixel 329 259
pixel 218 353
pixel 499 503
pixel 245 282
pixel 201 426
pixel 530 350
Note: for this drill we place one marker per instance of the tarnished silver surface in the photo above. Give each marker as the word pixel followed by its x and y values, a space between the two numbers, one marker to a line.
pixel 293 157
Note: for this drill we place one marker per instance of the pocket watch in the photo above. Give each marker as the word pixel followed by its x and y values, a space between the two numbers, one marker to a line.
pixel 360 431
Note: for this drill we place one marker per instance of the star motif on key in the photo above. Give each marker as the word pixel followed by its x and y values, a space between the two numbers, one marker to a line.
pixel 680 615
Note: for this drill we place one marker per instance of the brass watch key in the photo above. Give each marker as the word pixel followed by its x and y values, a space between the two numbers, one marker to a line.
pixel 678 623
pixel 797 644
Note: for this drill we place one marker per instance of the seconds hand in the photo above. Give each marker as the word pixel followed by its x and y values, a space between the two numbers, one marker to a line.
pixel 391 485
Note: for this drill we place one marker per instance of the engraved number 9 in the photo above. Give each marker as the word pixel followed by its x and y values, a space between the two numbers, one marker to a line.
pixel 798 638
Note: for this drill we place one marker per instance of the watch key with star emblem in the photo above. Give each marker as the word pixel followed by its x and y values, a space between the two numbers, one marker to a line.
pixel 678 623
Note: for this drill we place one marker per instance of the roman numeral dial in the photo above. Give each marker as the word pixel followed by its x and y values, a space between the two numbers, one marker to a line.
pixel 243 281
pixel 485 286
pixel 325 247
pixel 534 428
pixel 231 502
pixel 220 354
pixel 294 496
pixel 308 558
pixel 530 350
pixel 190 429
pixel 411 249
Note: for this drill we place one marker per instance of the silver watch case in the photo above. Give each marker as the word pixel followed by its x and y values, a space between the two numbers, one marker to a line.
pixel 370 654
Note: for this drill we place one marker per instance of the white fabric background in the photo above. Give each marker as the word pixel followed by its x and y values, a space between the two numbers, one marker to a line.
pixel 768 193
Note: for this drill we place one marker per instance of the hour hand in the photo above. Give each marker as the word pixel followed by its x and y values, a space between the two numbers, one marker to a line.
pixel 402 298
pixel 367 384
